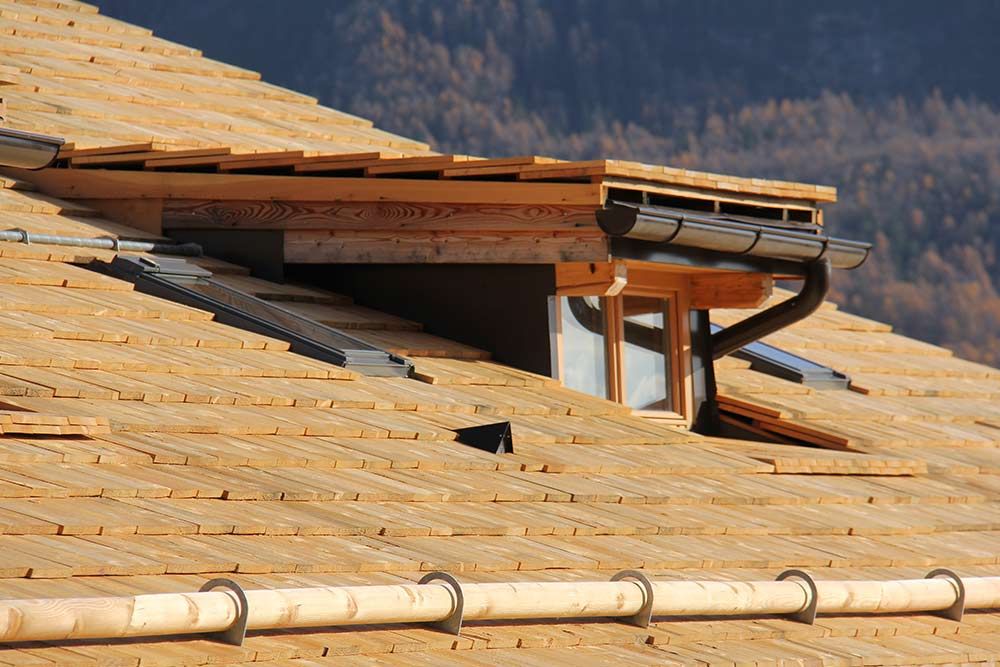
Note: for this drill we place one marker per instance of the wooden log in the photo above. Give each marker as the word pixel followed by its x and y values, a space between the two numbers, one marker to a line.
pixel 552 600
pixel 862 597
pixel 185 613
pixel 706 598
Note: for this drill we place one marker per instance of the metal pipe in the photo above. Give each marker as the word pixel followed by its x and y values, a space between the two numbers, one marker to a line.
pixel 790 311
pixel 105 243
pixel 28 150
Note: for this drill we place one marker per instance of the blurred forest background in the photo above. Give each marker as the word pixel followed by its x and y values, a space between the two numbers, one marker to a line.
pixel 896 102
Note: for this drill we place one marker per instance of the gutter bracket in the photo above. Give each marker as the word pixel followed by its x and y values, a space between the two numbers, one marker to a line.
pixel 806 615
pixel 644 616
pixel 453 624
pixel 237 632
pixel 957 610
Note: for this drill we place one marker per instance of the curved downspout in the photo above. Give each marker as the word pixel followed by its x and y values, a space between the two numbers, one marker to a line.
pixel 766 322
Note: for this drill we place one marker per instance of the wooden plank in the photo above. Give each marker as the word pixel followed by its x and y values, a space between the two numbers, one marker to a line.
pixel 215 160
pixel 262 214
pixel 142 147
pixel 344 162
pixel 117 184
pixel 730 290
pixel 131 158
pixel 413 165
pixel 497 166
pixel 322 247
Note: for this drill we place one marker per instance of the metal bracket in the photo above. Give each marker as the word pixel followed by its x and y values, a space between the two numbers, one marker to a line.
pixel 807 615
pixel 452 624
pixel 956 610
pixel 237 632
pixel 644 616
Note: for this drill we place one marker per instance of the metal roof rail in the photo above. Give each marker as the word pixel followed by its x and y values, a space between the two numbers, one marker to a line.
pixel 101 242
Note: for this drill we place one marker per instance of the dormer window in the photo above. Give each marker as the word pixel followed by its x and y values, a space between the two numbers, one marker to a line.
pixel 582 330
pixel 647 369
pixel 624 340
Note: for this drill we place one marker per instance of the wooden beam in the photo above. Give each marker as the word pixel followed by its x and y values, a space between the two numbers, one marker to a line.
pixel 394 247
pixel 589 278
pixel 144 214
pixel 205 214
pixel 730 290
pixel 116 184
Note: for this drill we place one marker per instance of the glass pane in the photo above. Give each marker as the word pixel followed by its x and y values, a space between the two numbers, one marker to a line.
pixel 584 363
pixel 647 353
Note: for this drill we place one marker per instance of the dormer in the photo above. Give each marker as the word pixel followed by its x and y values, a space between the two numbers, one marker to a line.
pixel 601 273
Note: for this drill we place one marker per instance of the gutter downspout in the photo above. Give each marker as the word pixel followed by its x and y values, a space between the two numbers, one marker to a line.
pixel 764 323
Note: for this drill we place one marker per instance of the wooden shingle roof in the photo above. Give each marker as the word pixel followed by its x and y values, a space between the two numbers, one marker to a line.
pixel 146 448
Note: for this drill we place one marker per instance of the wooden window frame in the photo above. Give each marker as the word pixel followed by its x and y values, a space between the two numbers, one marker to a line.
pixel 644 281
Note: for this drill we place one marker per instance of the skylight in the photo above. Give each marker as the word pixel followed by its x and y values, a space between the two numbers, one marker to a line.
pixel 774 361
pixel 179 281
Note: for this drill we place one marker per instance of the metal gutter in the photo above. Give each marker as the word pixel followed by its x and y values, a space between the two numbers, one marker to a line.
pixel 667 226
pixel 28 150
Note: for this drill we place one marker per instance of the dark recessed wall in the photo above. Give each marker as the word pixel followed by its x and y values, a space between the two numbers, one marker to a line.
pixel 499 308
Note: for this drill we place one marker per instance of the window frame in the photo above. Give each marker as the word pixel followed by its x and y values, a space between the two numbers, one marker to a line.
pixel 645 282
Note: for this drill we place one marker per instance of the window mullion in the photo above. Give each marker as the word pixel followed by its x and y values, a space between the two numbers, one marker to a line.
pixel 614 336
